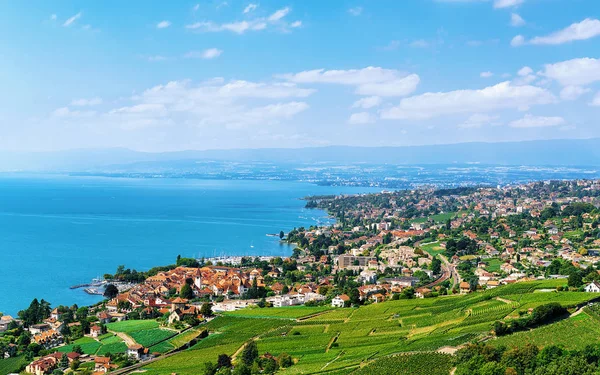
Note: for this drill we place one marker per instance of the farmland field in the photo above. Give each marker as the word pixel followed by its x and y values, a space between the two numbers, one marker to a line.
pixel 417 364
pixel 493 264
pixel 12 365
pixel 128 326
pixel 108 344
pixel 339 341
pixel 433 248
pixel 151 337
pixel 572 333
pixel 88 345
pixel 282 312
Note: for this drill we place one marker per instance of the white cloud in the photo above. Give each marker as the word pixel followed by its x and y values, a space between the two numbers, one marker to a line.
pixel 156 58
pixel 525 71
pixel 421 43
pixel 344 77
pixel 575 72
pixel 207 54
pixel 573 92
pixel 517 41
pixel 372 81
pixel 233 105
pixel 151 108
pixel 516 20
pixel 163 24
pixel 53 17
pixel 71 20
pixel 524 76
pixel 86 102
pixel 240 27
pixel 236 27
pixel 368 102
pixel 356 11
pixel 477 120
pixel 361 118
pixel 501 96
pixel 279 14
pixel 586 29
pixel 596 101
pixel 486 74
pixel 391 46
pixel 196 7
pixel 530 121
pixel 250 7
pixel 498 4
pixel 65 112
pixel 398 87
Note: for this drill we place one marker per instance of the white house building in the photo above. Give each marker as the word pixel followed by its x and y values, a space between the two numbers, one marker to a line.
pixel 593 287
pixel 340 301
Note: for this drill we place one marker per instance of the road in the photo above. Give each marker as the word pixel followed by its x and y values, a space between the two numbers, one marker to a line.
pixel 452 269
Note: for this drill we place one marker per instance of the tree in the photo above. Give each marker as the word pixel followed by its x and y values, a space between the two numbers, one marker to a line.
pixel 223 361
pixel 186 292
pixel 575 280
pixel 111 291
pixel 285 360
pixel 436 265
pixel 75 364
pixel 408 293
pixel 250 353
pixel 206 309
pixel 209 368
pixel 64 361
pixel 281 235
pixel 241 369
pixel 77 349
pixel 82 313
pixel 269 366
pixel 354 295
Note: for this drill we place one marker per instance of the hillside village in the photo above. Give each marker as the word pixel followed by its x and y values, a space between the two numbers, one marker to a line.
pixel 389 246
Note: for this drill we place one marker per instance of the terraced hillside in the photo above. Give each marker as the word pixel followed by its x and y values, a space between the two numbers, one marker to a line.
pixel 342 341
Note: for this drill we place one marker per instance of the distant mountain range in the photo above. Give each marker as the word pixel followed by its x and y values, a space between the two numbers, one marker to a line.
pixel 569 152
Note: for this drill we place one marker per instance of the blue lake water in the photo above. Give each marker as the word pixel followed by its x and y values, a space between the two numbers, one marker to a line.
pixel 59 231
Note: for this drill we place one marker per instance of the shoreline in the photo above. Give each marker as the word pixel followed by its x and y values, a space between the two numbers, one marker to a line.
pixel 237 227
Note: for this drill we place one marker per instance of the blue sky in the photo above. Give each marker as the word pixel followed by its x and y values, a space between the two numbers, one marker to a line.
pixel 162 76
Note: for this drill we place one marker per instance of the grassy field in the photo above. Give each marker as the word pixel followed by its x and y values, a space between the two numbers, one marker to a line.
pixel 109 343
pixel 493 264
pixel 12 365
pixel 433 248
pixel 112 344
pixel 417 364
pixel 572 333
pixel 439 218
pixel 282 312
pixel 88 345
pixel 128 326
pixel 342 340
pixel 150 337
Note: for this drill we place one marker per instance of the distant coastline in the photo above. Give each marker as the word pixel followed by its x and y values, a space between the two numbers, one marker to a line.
pixel 89 226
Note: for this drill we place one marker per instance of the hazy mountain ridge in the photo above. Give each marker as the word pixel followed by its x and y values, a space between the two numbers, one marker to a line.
pixel 572 152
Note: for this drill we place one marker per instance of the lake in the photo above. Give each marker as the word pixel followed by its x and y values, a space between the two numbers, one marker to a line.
pixel 59 231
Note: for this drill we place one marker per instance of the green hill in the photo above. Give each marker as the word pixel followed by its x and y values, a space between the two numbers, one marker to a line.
pixel 341 341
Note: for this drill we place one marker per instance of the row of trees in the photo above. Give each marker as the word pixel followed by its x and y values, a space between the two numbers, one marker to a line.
pixel 482 359
pixel 248 363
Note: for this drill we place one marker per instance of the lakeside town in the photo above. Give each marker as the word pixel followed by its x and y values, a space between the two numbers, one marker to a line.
pixel 413 244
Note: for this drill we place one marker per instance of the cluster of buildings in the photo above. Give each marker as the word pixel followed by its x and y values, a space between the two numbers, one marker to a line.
pixel 205 281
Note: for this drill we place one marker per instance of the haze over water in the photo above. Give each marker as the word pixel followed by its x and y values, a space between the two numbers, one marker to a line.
pixel 58 231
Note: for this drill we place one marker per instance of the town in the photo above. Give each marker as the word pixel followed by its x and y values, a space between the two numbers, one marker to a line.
pixel 390 246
